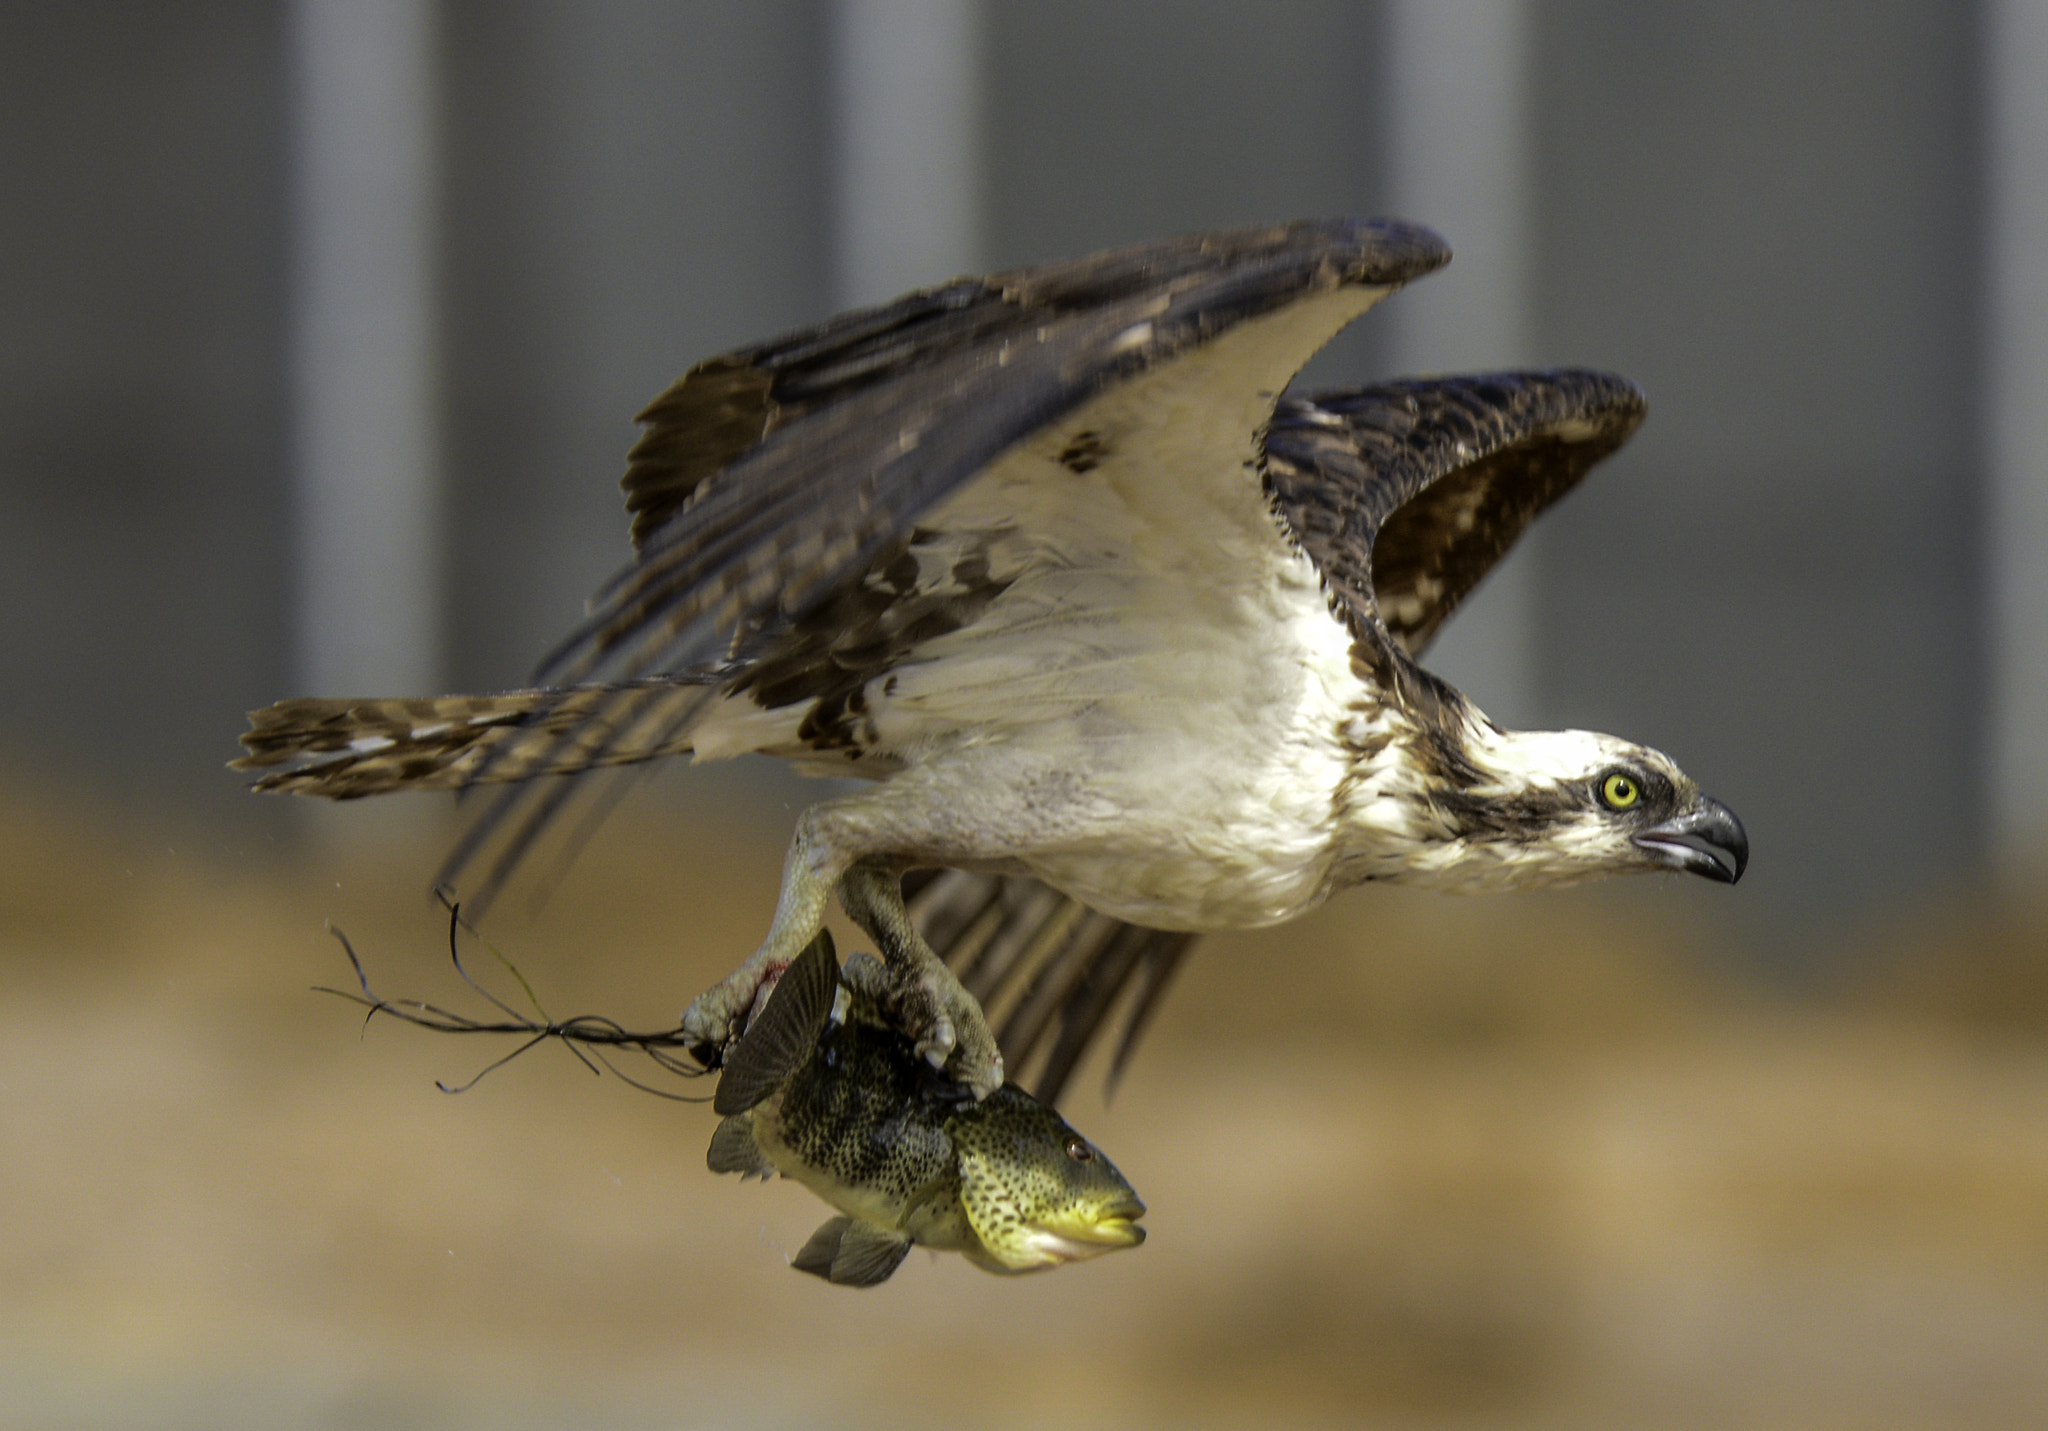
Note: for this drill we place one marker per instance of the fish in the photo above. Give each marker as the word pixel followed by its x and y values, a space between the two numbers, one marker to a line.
pixel 824 1090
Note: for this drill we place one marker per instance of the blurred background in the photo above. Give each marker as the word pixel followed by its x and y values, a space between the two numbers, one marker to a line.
pixel 322 326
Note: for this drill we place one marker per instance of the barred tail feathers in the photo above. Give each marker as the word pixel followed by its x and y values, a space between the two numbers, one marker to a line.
pixel 343 749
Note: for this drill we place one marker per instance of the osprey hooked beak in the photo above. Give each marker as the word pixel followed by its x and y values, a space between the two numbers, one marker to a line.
pixel 1706 840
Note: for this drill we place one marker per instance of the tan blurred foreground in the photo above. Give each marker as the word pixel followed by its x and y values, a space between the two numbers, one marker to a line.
pixel 1445 1163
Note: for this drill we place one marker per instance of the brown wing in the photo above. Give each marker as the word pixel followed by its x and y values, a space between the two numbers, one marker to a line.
pixel 772 478
pixel 1407 493
pixel 769 477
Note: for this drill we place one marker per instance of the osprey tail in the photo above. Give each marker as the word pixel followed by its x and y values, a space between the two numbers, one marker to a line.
pixel 343 749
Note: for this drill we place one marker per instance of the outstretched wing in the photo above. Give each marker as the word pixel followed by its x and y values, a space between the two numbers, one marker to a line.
pixel 772 479
pixel 863 423
pixel 1405 495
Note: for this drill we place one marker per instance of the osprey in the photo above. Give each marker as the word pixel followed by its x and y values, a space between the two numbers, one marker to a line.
pixel 1123 637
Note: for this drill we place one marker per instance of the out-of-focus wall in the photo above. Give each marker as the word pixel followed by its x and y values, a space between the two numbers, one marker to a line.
pixel 142 391
pixel 1767 216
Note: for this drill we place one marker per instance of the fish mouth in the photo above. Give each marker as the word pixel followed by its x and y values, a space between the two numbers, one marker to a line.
pixel 1046 1248
pixel 1114 1227
pixel 1117 1232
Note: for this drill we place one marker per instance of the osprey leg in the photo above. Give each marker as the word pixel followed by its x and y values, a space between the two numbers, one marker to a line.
pixel 931 1005
pixel 926 999
pixel 720 1014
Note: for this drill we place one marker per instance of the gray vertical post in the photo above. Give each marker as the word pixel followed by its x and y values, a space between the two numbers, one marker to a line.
pixel 907 201
pixel 1459 161
pixel 363 346
pixel 2017 511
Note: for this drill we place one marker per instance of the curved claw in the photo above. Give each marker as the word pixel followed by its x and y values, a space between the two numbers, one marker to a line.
pixel 938 1042
pixel 928 1005
pixel 947 1026
pixel 719 1015
pixel 951 1032
pixel 927 1000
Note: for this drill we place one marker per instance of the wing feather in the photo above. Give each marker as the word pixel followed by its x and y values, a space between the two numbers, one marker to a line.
pixel 1406 494
pixel 771 479
pixel 871 418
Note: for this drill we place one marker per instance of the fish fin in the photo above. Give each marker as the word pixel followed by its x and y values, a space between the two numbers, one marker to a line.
pixel 785 1034
pixel 815 1256
pixel 936 1218
pixel 733 1150
pixel 852 1254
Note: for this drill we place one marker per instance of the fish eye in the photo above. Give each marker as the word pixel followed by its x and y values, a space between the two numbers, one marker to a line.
pixel 1619 790
pixel 1079 1151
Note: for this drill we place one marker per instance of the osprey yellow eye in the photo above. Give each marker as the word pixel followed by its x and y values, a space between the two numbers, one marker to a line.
pixel 1619 791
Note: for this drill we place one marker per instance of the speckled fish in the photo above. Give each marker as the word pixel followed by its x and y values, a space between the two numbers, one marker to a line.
pixel 848 1108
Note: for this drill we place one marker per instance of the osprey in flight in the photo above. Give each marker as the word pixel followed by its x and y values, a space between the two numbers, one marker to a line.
pixel 1124 639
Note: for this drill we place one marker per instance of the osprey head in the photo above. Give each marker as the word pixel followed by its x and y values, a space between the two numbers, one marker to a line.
pixel 1515 809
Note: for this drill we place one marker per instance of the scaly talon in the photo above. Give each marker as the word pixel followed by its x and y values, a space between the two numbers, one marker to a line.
pixel 719 1015
pixel 960 1041
pixel 925 998
pixel 922 1002
pixel 911 984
